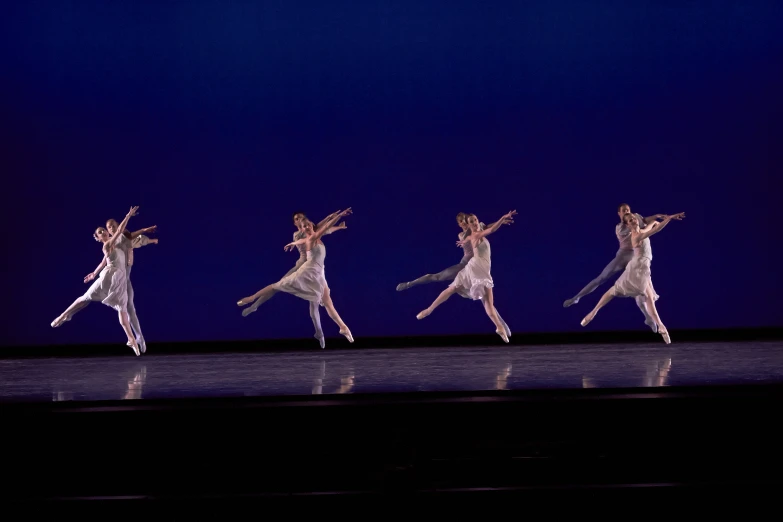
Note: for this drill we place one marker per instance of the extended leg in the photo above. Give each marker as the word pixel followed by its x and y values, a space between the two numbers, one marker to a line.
pixel 489 307
pixel 332 311
pixel 446 275
pixel 617 264
pixel 76 306
pixel 444 295
pixel 505 326
pixel 127 327
pixel 654 313
pixel 641 302
pixel 264 297
pixel 608 296
pixel 315 315
pixel 266 292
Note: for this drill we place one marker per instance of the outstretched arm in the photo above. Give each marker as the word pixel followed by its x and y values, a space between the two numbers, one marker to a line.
pixel 121 227
pixel 291 245
pixel 335 228
pixel 654 217
pixel 148 230
pixel 506 219
pixel 334 218
pixel 89 277
pixel 141 240
pixel 655 227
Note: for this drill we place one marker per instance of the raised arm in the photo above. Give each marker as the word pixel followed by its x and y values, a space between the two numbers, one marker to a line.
pixel 142 240
pixel 121 227
pixel 655 227
pixel 334 218
pixel 654 217
pixel 507 218
pixel 341 226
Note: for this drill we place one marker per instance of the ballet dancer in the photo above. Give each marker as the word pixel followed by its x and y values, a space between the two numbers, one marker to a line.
pixel 475 281
pixel 136 239
pixel 635 281
pixel 308 282
pixel 111 287
pixel 451 272
pixel 298 217
pixel 620 261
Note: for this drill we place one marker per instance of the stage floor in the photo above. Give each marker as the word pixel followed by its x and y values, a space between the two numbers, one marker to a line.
pixel 389 370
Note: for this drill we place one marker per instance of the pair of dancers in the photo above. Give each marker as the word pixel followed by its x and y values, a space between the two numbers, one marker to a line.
pixel 471 277
pixel 113 286
pixel 307 279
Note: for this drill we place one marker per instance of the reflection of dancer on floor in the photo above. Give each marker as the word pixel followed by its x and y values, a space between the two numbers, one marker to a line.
pixel 136 384
pixel 451 272
pixel 474 281
pixel 621 259
pixel 308 282
pixel 298 217
pixel 111 287
pixel 136 239
pixel 635 281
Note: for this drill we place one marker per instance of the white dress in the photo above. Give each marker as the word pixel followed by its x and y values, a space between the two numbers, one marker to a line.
pixel 473 280
pixel 635 280
pixel 111 287
pixel 309 281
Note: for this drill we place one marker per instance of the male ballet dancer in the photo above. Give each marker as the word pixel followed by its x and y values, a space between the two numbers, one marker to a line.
pixel 621 259
pixel 137 240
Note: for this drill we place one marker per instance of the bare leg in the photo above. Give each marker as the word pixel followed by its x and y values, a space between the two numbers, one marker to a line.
pixel 76 306
pixel 315 315
pixel 446 275
pixel 444 295
pixel 505 326
pixel 330 309
pixel 267 292
pixel 266 296
pixel 654 313
pixel 127 327
pixel 608 296
pixel 489 307
pixel 615 265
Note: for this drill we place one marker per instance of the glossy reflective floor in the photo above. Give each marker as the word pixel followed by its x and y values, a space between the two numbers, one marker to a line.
pixel 389 370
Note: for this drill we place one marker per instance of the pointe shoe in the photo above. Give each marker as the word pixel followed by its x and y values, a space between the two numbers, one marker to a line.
pixel 666 337
pixel 652 325
pixel 403 286
pixel 245 301
pixel 569 302
pixel 587 320
pixel 347 334
pixel 248 311
pixel 142 344
pixel 321 341
pixel 59 321
pixel 133 347
pixel 502 335
pixel 421 315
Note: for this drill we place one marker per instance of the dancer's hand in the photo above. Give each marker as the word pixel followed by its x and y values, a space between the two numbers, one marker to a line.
pixel 89 277
pixel 132 211
pixel 151 230
pixel 462 242
pixel 678 216
pixel 289 247
pixel 341 225
pixel 346 212
pixel 509 215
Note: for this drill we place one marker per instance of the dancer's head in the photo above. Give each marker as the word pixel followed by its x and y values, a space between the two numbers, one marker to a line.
pixel 623 209
pixel 297 217
pixel 630 221
pixel 101 235
pixel 307 227
pixel 112 226
pixel 474 225
pixel 462 220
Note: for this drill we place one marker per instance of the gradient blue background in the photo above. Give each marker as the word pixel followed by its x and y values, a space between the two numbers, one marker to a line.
pixel 222 118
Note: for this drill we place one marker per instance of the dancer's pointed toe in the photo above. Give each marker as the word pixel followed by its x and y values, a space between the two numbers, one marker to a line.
pixel 502 335
pixel 421 315
pixel 347 334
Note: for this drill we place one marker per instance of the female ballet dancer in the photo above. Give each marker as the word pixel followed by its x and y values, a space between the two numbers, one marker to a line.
pixel 308 282
pixel 450 273
pixel 136 239
pixel 111 287
pixel 635 280
pixel 474 281
pixel 298 217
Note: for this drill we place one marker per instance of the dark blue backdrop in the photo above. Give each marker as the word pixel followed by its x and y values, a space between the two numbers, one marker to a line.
pixel 220 119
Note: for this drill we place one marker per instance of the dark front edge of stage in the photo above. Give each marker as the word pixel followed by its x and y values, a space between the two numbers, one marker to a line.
pixel 443 447
pixel 339 343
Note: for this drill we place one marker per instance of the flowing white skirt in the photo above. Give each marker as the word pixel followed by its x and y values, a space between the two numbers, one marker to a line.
pixel 636 280
pixel 473 280
pixel 308 283
pixel 111 288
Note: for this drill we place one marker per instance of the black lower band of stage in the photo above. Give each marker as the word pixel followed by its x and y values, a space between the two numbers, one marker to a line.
pixel 441 446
